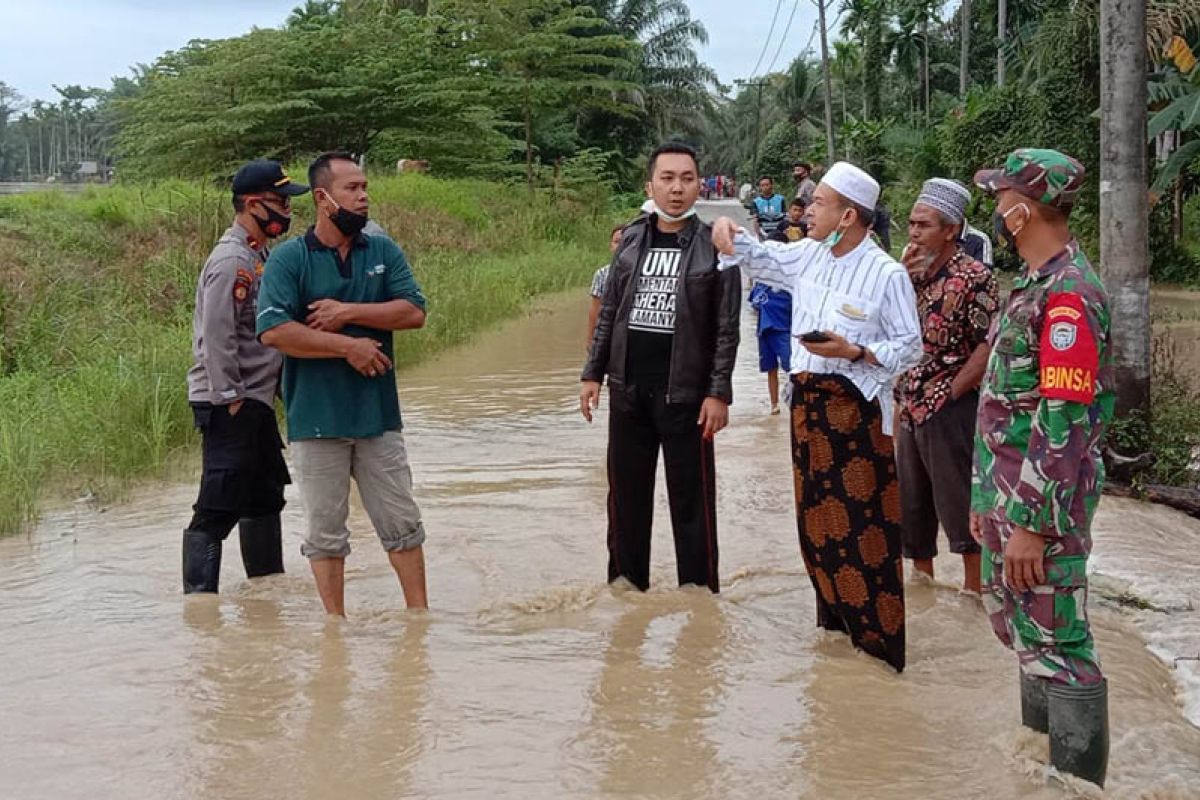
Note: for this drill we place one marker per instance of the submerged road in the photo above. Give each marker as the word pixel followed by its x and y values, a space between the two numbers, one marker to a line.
pixel 531 678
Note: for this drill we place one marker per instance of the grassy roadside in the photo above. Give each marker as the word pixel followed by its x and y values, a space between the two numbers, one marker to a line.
pixel 96 294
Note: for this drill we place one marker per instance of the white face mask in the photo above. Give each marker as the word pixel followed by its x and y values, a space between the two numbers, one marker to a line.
pixel 691 212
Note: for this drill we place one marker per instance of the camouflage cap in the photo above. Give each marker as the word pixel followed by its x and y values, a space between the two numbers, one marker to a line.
pixel 1047 176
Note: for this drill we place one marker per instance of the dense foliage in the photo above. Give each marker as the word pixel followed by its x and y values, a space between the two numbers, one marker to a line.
pixel 895 72
pixel 503 88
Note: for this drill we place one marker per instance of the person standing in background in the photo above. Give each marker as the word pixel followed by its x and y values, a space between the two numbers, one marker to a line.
pixel 793 228
pixel 770 207
pixel 802 174
pixel 774 308
pixel 599 280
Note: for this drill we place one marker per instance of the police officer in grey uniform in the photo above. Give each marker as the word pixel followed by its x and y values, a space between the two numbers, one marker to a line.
pixel 232 387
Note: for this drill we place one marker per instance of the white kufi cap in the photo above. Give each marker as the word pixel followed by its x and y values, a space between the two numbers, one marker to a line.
pixel 852 183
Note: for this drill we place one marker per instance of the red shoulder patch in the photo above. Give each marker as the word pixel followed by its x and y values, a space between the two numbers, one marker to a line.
pixel 1068 360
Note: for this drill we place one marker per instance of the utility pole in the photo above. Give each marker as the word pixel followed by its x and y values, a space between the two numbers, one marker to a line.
pixel 1124 204
pixel 756 84
pixel 830 148
pixel 1002 29
pixel 964 11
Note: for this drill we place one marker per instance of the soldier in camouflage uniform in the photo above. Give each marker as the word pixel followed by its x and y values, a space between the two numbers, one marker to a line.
pixel 1046 400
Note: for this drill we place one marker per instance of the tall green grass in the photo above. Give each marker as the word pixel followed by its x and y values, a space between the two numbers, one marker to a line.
pixel 96 294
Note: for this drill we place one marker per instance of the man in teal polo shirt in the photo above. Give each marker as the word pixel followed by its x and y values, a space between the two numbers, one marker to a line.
pixel 330 302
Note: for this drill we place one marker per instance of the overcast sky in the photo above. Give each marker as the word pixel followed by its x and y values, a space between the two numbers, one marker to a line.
pixel 46 42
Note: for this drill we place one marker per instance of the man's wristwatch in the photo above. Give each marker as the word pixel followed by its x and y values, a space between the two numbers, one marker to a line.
pixel 862 353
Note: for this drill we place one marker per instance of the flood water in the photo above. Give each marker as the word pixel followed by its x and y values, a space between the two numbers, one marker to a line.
pixel 1176 314
pixel 531 678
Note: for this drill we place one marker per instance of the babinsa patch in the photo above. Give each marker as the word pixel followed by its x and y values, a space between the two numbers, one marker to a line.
pixel 1069 358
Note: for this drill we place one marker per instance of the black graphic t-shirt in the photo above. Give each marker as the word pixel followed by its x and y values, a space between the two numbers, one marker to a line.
pixel 652 318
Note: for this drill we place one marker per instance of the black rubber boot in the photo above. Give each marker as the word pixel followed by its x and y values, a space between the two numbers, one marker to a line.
pixel 1079 730
pixel 1034 713
pixel 262 545
pixel 201 561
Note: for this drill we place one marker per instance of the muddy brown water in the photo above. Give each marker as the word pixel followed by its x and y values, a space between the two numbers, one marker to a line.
pixel 530 677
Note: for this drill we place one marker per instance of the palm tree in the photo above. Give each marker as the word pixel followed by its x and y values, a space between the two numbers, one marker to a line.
pixel 799 97
pixel 1001 37
pixel 964 13
pixel 727 134
pixel 867 19
pixel 1167 18
pixel 313 14
pixel 847 62
pixel 905 44
pixel 673 82
pixel 1039 40
pixel 908 44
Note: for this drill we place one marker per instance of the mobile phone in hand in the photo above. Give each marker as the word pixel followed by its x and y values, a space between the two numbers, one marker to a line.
pixel 814 337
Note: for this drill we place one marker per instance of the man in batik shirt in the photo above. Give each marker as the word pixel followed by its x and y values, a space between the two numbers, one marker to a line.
pixel 938 399
pixel 1046 400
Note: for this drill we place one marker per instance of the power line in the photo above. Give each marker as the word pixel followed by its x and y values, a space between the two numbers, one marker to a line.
pixel 767 43
pixel 811 36
pixel 786 31
pixel 756 83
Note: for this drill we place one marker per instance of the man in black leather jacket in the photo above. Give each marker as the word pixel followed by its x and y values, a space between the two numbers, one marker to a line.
pixel 667 339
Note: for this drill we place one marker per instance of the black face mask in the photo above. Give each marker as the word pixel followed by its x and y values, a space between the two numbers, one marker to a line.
pixel 346 221
pixel 1003 235
pixel 275 224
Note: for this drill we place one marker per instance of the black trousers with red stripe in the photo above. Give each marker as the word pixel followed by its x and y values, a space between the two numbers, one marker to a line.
pixel 640 422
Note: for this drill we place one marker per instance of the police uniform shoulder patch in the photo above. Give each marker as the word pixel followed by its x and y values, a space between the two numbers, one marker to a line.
pixel 1069 358
pixel 242 284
